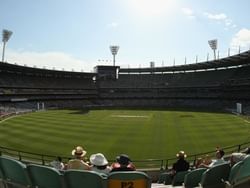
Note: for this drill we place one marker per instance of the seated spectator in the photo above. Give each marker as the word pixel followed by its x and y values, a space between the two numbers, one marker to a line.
pixel 181 164
pixel 57 163
pixel 100 163
pixel 198 162
pixel 206 160
pixel 77 162
pixel 219 159
pixel 237 157
pixel 123 164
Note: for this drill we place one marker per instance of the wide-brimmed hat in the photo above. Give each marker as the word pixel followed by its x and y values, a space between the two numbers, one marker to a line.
pixel 181 154
pixel 78 151
pixel 123 159
pixel 98 159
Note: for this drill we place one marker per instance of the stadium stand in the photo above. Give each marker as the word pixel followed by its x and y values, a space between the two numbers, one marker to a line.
pixel 216 85
pixel 17 174
pixel 219 84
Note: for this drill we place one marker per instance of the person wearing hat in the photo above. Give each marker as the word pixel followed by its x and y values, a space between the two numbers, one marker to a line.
pixel 77 162
pixel 181 164
pixel 123 163
pixel 99 163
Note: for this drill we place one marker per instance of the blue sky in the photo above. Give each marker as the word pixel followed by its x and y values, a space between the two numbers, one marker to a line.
pixel 76 34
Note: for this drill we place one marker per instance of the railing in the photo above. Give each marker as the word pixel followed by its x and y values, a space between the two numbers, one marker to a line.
pixel 28 157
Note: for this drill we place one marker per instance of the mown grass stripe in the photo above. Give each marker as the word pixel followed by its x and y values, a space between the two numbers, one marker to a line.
pixel 160 135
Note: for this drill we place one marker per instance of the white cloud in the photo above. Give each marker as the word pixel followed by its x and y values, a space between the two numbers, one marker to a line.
pixel 221 18
pixel 112 25
pixel 188 12
pixel 228 22
pixel 217 17
pixel 50 60
pixel 242 39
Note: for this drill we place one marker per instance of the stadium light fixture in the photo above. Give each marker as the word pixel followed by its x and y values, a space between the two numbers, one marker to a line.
pixel 6 36
pixel 213 45
pixel 114 50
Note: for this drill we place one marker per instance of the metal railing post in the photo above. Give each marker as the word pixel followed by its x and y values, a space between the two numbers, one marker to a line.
pixel 166 167
pixel 43 162
pixel 19 156
pixel 161 165
pixel 239 146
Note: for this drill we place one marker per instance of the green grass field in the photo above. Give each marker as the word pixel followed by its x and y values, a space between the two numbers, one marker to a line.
pixel 154 134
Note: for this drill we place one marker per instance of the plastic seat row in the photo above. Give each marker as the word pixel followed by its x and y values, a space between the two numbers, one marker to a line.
pixel 202 177
pixel 15 174
pixel 240 174
pixel 219 176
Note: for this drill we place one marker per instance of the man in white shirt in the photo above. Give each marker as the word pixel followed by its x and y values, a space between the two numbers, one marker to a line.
pixel 219 159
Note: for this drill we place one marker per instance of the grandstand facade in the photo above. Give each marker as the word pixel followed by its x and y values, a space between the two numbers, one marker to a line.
pixel 218 84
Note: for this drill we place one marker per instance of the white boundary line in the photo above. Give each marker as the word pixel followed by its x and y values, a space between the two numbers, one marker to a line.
pixel 7 119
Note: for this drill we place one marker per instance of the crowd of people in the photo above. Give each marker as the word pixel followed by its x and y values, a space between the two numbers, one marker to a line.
pixel 97 162
pixel 206 162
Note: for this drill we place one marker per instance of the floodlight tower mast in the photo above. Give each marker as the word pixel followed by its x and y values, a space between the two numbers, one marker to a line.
pixel 213 45
pixel 114 50
pixel 6 36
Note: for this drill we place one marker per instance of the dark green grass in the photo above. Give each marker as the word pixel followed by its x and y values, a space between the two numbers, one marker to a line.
pixel 157 134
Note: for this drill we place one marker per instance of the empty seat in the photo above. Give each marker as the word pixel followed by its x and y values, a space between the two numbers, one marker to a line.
pixel 179 178
pixel 44 177
pixel 14 172
pixel 165 178
pixel 242 176
pixel 129 179
pixel 2 184
pixel 233 173
pixel 213 176
pixel 83 179
pixel 193 178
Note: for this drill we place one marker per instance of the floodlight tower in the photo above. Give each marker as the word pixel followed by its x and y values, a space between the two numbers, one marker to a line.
pixel 213 45
pixel 6 36
pixel 114 50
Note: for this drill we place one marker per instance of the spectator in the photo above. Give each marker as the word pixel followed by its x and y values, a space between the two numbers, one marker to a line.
pixel 198 162
pixel 206 160
pixel 57 163
pixel 219 159
pixel 123 164
pixel 181 164
pixel 77 162
pixel 100 163
pixel 237 157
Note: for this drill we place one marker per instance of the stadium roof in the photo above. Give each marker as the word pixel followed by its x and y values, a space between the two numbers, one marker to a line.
pixel 6 67
pixel 231 61
pixel 241 59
